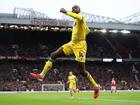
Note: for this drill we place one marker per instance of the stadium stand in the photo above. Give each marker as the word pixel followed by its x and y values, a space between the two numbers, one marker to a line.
pixel 12 73
pixel 20 55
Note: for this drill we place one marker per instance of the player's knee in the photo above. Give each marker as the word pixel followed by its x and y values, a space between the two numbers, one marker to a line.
pixel 57 53
pixel 84 73
pixel 82 70
pixel 52 55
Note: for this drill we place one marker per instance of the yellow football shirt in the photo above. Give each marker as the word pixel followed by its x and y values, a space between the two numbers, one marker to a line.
pixel 72 79
pixel 80 28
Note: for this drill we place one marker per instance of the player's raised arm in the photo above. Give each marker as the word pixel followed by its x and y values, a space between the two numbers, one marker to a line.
pixel 74 13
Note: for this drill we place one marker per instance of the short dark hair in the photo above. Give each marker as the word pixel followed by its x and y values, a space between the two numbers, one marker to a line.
pixel 77 7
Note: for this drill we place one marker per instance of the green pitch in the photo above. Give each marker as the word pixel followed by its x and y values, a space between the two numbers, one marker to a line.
pixel 127 98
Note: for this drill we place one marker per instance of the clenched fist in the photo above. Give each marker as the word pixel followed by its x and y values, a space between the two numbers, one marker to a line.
pixel 63 10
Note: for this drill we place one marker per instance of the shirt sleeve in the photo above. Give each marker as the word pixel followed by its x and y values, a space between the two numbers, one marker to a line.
pixel 74 15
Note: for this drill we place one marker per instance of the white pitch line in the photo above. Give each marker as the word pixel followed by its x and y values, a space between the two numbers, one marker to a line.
pixel 131 101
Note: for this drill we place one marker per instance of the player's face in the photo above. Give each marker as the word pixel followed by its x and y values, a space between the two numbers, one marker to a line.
pixel 76 9
pixel 70 73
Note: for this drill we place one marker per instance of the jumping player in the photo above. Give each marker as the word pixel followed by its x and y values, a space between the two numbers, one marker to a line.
pixel 76 46
pixel 113 85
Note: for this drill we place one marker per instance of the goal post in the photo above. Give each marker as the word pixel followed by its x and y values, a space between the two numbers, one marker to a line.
pixel 53 87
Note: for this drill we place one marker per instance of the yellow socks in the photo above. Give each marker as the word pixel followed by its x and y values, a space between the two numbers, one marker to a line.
pixel 46 68
pixel 92 80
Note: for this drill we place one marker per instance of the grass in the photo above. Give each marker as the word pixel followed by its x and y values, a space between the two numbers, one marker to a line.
pixel 83 98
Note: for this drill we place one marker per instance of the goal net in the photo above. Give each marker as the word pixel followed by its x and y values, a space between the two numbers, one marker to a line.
pixel 53 87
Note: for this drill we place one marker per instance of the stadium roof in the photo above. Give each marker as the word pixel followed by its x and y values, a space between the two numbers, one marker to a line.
pixel 27 16
pixel 133 19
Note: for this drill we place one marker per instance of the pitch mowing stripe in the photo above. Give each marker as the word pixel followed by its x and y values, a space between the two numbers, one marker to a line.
pixel 132 101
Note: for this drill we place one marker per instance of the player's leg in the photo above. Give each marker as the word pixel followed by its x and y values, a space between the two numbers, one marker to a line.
pixel 80 50
pixel 85 73
pixel 71 92
pixel 115 90
pixel 26 85
pixel 59 52
pixel 111 89
pixel 75 89
pixel 63 50
pixel 71 89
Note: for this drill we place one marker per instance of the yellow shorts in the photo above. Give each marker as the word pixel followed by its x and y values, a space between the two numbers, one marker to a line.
pixel 79 49
pixel 72 85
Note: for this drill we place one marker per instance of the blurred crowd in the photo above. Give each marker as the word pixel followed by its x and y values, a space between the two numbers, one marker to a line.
pixel 36 44
pixel 14 74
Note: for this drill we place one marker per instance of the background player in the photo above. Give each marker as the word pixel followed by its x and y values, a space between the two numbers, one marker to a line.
pixel 113 85
pixel 76 46
pixel 72 79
